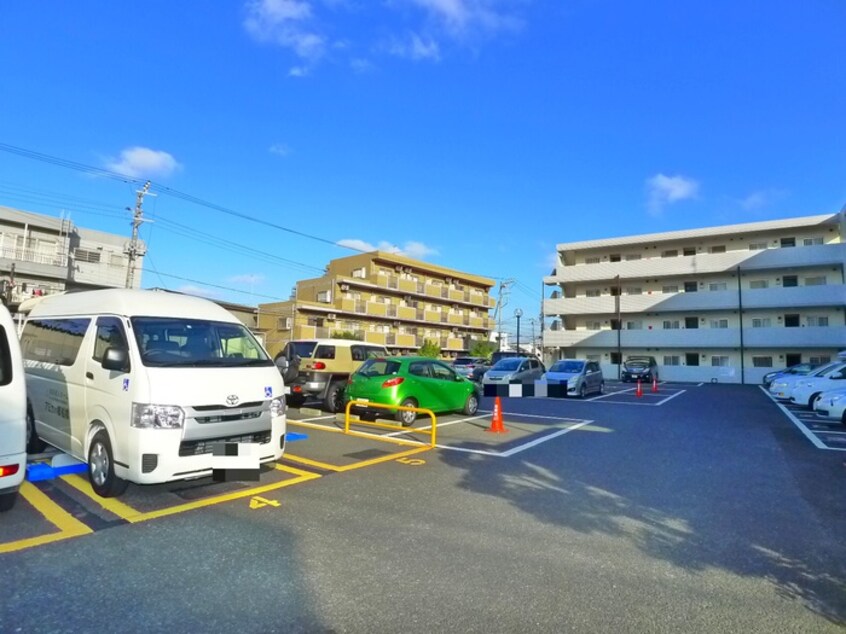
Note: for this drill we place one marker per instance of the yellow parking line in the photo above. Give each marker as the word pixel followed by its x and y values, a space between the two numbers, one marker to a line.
pixel 123 511
pixel 388 458
pixel 294 470
pixel 313 463
pixel 67 524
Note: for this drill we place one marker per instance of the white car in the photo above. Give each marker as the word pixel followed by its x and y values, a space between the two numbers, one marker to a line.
pixel 12 413
pixel 807 388
pixel 782 388
pixel 832 405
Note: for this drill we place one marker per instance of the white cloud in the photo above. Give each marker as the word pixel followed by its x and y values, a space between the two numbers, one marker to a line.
pixel 761 198
pixel 286 23
pixel 138 162
pixel 411 249
pixel 665 190
pixel 247 278
pixel 415 47
pixel 280 149
pixel 190 289
pixel 460 17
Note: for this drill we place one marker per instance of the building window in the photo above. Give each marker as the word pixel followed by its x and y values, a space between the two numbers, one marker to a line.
pixel 823 359
pixel 762 362
pixel 761 322
pixel 719 323
pixel 757 246
pixel 359 273
pixel 670 288
pixel 790 280
pixel 689 251
pixel 614 257
pixel 634 290
pixel 86 255
pixel 634 325
pixel 788 242
pixel 691 358
pixel 593 325
pixel 791 321
pixel 672 360
pixel 671 324
pixel 691 287
pixel 691 322
pixel 594 259
pixel 670 253
pixel 615 358
pixel 283 323
pixel 594 357
pixel 719 361
pixel 816 280
pixel 324 296
pixel 719 248
pixel 632 256
pixel 817 321
pixel 758 284
pixel 717 286
pixel 615 324
pixel 593 292
pixel 808 242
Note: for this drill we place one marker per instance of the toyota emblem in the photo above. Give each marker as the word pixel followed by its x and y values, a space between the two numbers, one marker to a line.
pixel 232 400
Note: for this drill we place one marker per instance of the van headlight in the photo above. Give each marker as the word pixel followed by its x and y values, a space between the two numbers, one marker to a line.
pixel 147 416
pixel 277 407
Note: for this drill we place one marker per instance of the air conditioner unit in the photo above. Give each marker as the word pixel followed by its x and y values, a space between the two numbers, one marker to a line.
pixel 332 316
pixel 398 267
pixel 397 324
pixel 345 287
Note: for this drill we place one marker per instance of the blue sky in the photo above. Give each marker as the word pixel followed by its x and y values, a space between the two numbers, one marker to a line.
pixel 475 134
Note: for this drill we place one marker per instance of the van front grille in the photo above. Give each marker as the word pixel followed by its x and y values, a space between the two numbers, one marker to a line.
pixel 200 447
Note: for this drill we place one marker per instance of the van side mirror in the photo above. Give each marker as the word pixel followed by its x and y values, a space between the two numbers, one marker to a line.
pixel 116 359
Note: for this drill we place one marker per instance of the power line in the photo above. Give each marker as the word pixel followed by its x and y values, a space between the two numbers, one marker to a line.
pixel 88 169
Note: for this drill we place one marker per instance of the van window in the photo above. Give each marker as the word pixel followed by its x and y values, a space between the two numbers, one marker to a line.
pixel 5 358
pixel 53 340
pixel 324 352
pixel 109 335
pixel 362 353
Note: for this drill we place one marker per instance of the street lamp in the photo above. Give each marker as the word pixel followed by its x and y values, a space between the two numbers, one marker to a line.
pixel 518 313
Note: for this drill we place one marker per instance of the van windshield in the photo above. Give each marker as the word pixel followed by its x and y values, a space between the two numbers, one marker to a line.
pixel 167 342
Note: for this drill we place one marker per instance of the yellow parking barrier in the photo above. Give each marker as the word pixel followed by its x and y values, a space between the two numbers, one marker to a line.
pixel 432 431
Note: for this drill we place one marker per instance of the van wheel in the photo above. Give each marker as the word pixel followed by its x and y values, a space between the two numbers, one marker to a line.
pixel 294 400
pixel 334 401
pixel 33 443
pixel 7 501
pixel 811 400
pixel 405 417
pixel 101 467
pixel 472 405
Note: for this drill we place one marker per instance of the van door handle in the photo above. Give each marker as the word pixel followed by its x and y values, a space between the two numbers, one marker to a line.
pixel 89 375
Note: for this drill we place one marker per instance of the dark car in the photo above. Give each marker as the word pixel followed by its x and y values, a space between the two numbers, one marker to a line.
pixel 800 369
pixel 639 368
pixel 467 366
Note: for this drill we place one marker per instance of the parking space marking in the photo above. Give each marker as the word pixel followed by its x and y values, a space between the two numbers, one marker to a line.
pixel 126 512
pixel 808 433
pixel 363 434
pixel 361 464
pixel 67 524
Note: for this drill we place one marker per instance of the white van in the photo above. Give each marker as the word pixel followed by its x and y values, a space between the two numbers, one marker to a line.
pixel 12 413
pixel 150 387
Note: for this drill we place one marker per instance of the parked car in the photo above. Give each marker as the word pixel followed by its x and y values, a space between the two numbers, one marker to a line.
pixel 832 405
pixel 579 375
pixel 639 368
pixel 410 382
pixel 800 369
pixel 323 367
pixel 467 366
pixel 13 427
pixel 807 389
pixel 514 370
pixel 781 388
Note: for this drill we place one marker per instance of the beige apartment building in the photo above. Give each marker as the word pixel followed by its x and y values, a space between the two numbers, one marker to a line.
pixel 386 299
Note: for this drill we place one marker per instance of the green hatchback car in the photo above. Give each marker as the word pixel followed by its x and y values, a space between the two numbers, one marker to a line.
pixel 411 382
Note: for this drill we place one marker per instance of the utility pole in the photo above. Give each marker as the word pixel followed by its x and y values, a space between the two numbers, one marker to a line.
pixel 501 302
pixel 133 249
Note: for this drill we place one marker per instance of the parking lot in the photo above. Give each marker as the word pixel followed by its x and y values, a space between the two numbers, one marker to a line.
pixel 691 508
pixel 823 433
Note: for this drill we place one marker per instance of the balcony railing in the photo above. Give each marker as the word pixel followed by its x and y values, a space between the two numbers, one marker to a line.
pixel 29 255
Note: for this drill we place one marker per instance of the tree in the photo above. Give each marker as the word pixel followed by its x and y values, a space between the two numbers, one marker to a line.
pixel 430 349
pixel 482 349
pixel 346 334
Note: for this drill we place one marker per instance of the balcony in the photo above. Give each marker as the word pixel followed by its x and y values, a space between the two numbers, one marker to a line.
pixel 797 297
pixel 828 337
pixel 702 264
pixel 473 297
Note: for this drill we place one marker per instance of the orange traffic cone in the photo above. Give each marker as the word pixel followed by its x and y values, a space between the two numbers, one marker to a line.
pixel 654 383
pixel 496 420
pixel 639 390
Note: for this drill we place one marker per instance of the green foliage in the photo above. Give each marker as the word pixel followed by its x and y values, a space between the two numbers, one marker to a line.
pixel 345 334
pixel 482 349
pixel 430 349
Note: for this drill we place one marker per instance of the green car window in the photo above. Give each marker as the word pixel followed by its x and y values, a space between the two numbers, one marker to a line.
pixel 378 367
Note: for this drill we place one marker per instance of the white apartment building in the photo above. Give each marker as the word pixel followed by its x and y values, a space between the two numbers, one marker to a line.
pixel 724 304
pixel 42 254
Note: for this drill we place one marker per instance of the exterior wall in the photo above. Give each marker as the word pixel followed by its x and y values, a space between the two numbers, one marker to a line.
pixel 745 296
pixel 386 299
pixel 41 255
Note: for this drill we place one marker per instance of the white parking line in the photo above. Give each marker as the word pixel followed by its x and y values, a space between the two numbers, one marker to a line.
pixel 809 434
